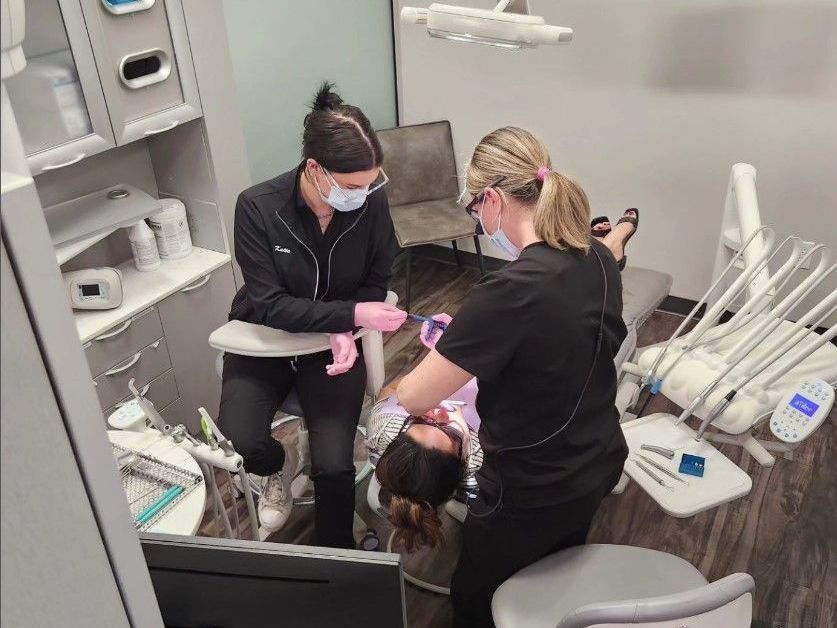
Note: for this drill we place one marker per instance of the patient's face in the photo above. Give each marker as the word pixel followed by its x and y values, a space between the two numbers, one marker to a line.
pixel 430 436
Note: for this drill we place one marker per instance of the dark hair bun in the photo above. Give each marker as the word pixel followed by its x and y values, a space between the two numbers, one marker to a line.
pixel 338 136
pixel 326 99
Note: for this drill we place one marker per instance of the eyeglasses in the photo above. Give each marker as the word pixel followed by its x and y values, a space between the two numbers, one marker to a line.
pixel 379 182
pixel 452 433
pixel 469 208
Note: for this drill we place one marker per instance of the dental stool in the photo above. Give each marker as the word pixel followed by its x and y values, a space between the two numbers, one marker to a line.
pixel 615 586
pixel 255 340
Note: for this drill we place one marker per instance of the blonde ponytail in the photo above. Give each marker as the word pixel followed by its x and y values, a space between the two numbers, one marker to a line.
pixel 561 209
pixel 562 213
pixel 417 523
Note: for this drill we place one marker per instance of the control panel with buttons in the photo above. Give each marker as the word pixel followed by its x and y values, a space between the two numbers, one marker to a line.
pixel 802 410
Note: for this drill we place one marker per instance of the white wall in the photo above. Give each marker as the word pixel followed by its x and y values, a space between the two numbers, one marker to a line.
pixel 650 105
pixel 283 49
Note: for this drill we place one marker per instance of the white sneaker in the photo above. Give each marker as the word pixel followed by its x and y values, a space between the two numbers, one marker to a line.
pixel 276 499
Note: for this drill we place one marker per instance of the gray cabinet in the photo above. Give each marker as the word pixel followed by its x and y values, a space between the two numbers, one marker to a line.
pixel 57 98
pixel 145 66
pixel 189 316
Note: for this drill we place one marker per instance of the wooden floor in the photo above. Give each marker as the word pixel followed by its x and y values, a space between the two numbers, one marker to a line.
pixel 784 533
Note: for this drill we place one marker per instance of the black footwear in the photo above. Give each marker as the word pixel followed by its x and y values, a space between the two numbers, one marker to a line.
pixel 599 233
pixel 634 220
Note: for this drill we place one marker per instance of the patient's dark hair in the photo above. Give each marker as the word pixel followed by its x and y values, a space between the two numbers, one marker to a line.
pixel 338 136
pixel 420 479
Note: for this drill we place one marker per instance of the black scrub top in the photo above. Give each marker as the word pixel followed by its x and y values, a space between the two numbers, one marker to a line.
pixel 528 333
pixel 321 243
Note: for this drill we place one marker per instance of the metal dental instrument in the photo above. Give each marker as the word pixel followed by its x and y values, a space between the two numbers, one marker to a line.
pixel 148 408
pixel 663 451
pixel 221 440
pixel 797 356
pixel 433 324
pixel 649 385
pixel 754 306
pixel 737 357
pixel 660 467
pixel 652 475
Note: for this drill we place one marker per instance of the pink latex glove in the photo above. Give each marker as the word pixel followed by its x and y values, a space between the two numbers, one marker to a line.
pixel 344 352
pixel 437 333
pixel 379 316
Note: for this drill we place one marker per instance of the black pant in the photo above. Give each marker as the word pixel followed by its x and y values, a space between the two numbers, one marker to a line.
pixel 497 546
pixel 251 393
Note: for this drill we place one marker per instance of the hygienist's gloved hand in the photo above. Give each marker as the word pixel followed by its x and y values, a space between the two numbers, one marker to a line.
pixel 344 352
pixel 379 316
pixel 430 342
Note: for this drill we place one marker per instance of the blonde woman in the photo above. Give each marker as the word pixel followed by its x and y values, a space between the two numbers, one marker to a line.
pixel 540 336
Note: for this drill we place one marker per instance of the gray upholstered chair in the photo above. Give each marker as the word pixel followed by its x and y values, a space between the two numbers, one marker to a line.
pixel 423 189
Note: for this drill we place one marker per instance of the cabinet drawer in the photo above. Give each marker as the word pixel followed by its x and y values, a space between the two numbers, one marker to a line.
pixel 189 316
pixel 123 341
pixel 146 67
pixel 173 414
pixel 161 391
pixel 143 366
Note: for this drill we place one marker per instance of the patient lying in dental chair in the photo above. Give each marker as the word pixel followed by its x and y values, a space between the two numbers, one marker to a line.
pixel 422 462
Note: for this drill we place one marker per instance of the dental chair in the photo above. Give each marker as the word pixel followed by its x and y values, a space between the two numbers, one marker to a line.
pixel 250 339
pixel 615 586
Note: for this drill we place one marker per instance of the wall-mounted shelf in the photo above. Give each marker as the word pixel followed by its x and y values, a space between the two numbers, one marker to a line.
pixel 142 289
pixel 65 252
pixel 101 212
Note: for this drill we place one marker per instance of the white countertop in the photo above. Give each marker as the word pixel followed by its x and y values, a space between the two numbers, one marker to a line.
pixel 143 289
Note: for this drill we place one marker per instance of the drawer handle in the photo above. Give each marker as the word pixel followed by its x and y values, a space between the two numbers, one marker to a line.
pixel 168 127
pixel 122 369
pixel 116 332
pixel 199 284
pixel 72 161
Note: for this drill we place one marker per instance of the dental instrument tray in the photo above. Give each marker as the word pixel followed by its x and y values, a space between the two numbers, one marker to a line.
pixel 152 487
pixel 722 480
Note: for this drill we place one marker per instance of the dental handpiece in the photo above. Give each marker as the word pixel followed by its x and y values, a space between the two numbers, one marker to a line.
pixel 663 451
pixel 661 468
pixel 652 475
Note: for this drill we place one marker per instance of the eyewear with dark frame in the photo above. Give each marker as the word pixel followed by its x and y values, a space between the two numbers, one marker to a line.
pixel 451 432
pixel 469 208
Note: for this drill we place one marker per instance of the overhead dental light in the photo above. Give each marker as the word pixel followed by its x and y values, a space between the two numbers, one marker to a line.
pixel 508 25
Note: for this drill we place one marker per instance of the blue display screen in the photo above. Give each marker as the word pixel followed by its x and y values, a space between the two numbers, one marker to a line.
pixel 805 406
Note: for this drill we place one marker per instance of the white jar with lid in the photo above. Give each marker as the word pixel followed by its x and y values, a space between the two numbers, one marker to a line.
pixel 171 229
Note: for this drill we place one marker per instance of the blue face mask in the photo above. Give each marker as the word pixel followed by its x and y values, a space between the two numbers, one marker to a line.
pixel 499 238
pixel 341 199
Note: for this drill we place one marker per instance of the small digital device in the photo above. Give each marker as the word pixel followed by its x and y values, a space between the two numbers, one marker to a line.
pixel 802 410
pixel 94 288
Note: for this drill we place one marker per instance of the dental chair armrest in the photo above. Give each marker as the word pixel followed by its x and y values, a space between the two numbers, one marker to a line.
pixel 260 341
pixel 665 608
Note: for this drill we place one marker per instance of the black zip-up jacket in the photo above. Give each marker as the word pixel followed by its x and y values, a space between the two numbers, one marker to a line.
pixel 281 274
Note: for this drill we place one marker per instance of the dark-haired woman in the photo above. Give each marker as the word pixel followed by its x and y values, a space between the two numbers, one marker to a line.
pixel 423 461
pixel 316 247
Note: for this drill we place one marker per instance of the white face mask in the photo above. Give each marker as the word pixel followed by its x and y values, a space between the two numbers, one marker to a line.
pixel 341 199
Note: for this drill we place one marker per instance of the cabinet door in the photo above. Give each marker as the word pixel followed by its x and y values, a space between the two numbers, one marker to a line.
pixel 146 66
pixel 189 316
pixel 57 99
